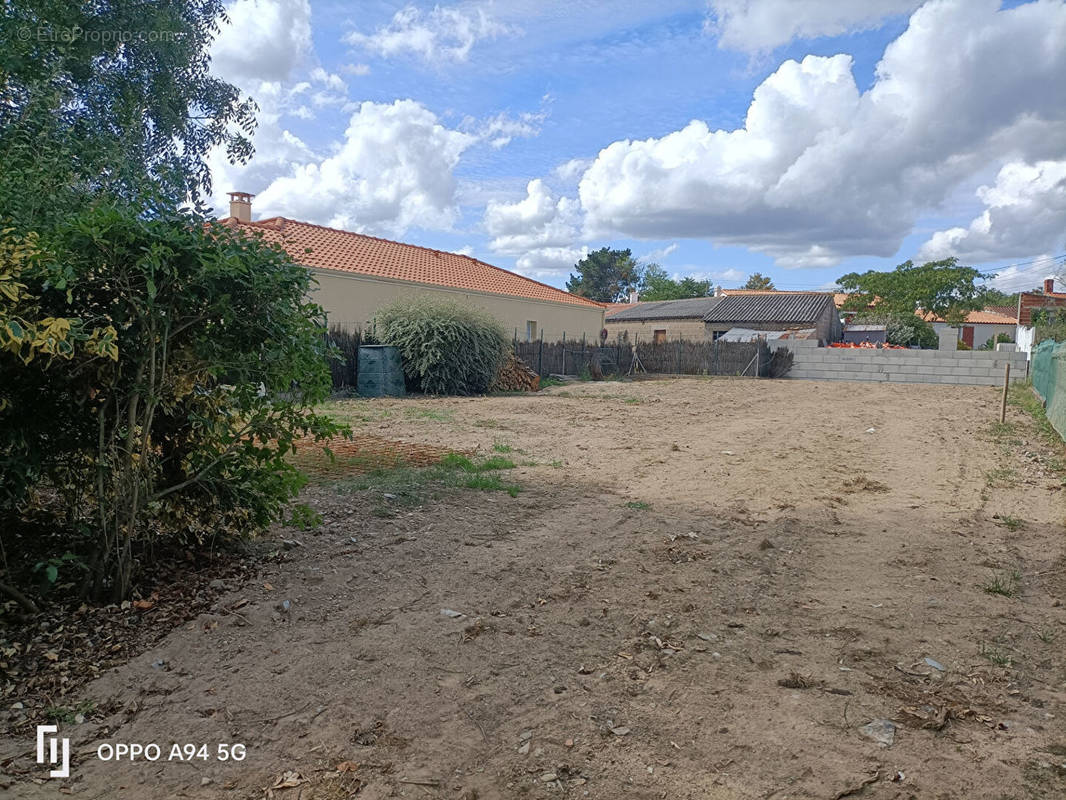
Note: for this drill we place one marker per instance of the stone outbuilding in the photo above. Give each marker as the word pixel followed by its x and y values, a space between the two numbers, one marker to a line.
pixel 709 318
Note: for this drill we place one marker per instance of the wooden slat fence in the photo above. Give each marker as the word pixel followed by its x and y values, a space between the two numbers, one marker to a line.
pixel 753 359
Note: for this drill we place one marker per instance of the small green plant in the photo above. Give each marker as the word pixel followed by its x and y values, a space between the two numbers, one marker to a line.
pixel 445 415
pixel 1005 584
pixel 491 482
pixel 496 462
pixel 549 381
pixel 1002 428
pixel 1011 523
pixel 411 486
pixel 503 447
pixel 638 505
pixel 456 461
pixel 51 569
pixel 68 715
pixel 556 464
pixel 631 401
pixel 1001 477
pixel 304 518
pixel 996 655
pixel 1046 635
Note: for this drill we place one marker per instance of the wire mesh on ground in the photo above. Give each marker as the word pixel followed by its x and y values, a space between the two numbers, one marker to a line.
pixel 1049 381
pixel 364 453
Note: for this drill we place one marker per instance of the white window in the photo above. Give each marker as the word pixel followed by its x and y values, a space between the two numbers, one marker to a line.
pixel 531 330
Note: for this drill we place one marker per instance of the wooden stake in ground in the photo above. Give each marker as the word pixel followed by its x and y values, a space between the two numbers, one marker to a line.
pixel 1006 383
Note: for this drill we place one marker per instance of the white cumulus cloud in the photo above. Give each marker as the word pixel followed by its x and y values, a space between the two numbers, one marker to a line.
pixel 392 171
pixel 540 229
pixel 265 40
pixel 447 33
pixel 1025 211
pixel 760 25
pixel 821 171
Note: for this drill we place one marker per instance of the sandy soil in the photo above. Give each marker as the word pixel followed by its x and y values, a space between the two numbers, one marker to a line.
pixel 705 590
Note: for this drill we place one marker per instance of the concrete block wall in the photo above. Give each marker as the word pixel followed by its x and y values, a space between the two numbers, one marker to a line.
pixel 963 367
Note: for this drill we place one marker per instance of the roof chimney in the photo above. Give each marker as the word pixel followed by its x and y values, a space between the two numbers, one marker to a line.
pixel 1049 285
pixel 240 206
pixel 717 291
pixel 634 297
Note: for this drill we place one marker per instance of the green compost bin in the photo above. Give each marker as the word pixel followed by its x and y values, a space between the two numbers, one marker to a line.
pixel 380 372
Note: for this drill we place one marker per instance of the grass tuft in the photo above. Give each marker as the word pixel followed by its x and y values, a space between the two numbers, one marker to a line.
pixel 1009 522
pixel 1005 584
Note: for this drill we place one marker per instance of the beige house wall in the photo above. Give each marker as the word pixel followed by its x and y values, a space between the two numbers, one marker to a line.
pixel 693 329
pixel 351 301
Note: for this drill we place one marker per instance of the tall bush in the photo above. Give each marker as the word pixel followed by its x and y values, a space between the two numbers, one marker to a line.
pixel 196 362
pixel 446 348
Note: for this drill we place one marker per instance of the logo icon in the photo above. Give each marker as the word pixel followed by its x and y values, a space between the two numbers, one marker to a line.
pixel 53 755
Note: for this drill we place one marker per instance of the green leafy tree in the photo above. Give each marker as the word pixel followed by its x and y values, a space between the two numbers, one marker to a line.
pixel 658 285
pixel 758 281
pixel 132 113
pixel 943 288
pixel 158 369
pixel 606 275
pixel 994 297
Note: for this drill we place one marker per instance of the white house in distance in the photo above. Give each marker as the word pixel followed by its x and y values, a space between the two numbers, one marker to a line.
pixel 979 326
pixel 1048 301
pixel 357 275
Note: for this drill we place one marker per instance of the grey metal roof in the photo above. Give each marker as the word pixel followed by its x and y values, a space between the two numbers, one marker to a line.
pixel 694 308
pixel 788 308
pixel 750 335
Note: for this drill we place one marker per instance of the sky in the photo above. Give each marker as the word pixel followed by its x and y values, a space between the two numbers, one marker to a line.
pixel 802 139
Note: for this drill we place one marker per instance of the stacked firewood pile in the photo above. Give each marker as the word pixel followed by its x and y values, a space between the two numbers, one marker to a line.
pixel 515 376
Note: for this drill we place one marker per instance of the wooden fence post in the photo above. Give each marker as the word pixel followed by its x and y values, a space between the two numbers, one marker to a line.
pixel 679 354
pixel 1006 386
pixel 540 355
pixel 564 354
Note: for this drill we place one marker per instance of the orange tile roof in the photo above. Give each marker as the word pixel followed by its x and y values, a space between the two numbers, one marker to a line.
pixel 614 308
pixel 988 317
pixel 974 318
pixel 343 251
pixel 1007 311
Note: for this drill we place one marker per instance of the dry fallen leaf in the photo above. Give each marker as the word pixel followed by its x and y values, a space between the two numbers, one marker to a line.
pixel 143 605
pixel 288 780
pixel 347 766
pixel 269 587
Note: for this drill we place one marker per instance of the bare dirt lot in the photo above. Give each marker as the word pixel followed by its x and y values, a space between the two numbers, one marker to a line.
pixel 704 589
